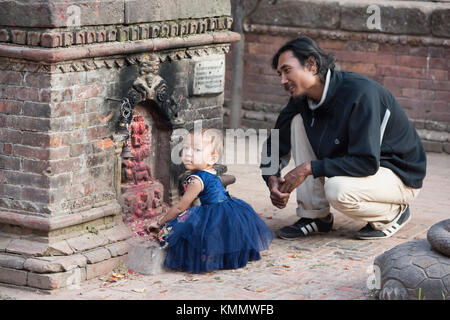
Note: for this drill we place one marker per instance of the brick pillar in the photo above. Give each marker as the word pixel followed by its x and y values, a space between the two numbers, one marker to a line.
pixel 60 155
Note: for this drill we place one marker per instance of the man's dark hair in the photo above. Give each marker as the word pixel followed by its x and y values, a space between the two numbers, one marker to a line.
pixel 303 48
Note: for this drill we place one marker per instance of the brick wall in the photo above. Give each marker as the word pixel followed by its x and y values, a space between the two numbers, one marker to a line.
pixel 24 143
pixel 55 151
pixel 414 68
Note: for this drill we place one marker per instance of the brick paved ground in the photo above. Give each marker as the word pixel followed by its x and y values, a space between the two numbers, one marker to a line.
pixel 332 266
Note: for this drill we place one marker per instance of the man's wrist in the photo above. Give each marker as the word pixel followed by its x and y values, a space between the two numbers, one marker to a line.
pixel 271 180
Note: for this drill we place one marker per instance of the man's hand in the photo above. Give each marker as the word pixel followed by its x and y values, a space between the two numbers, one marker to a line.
pixel 278 198
pixel 295 177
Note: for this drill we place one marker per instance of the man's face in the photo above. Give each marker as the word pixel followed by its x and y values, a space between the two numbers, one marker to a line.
pixel 294 77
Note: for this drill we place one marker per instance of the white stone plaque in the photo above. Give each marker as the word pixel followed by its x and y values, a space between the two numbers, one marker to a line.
pixel 209 76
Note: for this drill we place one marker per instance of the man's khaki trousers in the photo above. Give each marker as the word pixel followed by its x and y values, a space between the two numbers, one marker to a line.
pixel 378 199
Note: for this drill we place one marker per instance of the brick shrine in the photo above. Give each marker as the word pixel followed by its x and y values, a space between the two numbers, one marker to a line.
pixel 67 184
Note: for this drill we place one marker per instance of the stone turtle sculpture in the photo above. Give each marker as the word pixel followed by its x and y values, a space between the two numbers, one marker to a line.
pixel 418 269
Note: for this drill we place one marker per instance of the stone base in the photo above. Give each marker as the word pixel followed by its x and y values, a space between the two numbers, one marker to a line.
pixel 48 264
pixel 145 257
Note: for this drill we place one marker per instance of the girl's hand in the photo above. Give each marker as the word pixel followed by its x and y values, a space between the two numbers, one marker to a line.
pixel 153 226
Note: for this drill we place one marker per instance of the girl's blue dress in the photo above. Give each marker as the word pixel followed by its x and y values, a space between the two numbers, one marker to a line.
pixel 222 233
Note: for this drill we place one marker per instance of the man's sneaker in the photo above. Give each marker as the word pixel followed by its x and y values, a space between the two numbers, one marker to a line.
pixel 369 233
pixel 303 227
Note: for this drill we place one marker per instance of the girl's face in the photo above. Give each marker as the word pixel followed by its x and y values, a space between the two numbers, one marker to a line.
pixel 197 153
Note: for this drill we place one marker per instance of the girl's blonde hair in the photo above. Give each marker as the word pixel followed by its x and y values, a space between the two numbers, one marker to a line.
pixel 213 136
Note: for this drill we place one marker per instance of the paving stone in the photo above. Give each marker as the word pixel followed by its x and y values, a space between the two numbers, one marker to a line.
pixel 59 248
pixel 118 233
pixel 87 242
pixel 27 247
pixel 4 242
pixel 68 262
pixel 11 261
pixel 118 248
pixel 42 266
pixel 104 267
pixel 56 280
pixel 12 276
pixel 97 255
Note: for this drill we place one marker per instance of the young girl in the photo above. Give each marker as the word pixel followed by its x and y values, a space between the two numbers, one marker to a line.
pixel 223 232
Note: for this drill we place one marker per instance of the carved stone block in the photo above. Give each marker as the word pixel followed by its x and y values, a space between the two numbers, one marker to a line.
pixel 154 31
pixel 34 38
pixel 101 36
pixel 144 32
pixel 67 39
pixel 19 36
pixel 111 35
pixel 4 35
pixel 51 40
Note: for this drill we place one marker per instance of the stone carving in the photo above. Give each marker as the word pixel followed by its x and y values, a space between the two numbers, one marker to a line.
pixel 149 86
pixel 141 193
pixel 108 63
pixel 85 35
pixel 418 269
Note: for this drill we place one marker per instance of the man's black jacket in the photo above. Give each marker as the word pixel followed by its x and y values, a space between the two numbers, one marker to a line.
pixel 358 128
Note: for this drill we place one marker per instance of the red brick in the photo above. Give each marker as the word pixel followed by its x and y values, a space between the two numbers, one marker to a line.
pixel 35 166
pixel 35 109
pixel 439 63
pixel 440 106
pixel 389 82
pixel 362 68
pixel 418 94
pixel 35 139
pixel 432 146
pixel 37 80
pixel 45 95
pixel 11 107
pixel 393 48
pixel 26 179
pixel 440 116
pixel 442 95
pixel 359 46
pixel 63 109
pixel 365 57
pixel 23 93
pixel 7 148
pixel 86 92
pixel 96 133
pixel 412 61
pixel 66 165
pixel 434 85
pixel 82 148
pixel 31 152
pixel 11 136
pixel 29 124
pixel 36 194
pixel 10 77
pixel 439 75
pixel 401 72
pixel 335 44
pixel 9 163
pixel 11 191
